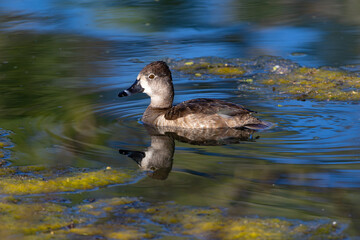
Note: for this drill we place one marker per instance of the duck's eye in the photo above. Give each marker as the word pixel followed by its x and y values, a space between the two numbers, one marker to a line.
pixel 151 76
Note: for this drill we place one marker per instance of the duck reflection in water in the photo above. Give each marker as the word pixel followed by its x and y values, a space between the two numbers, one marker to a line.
pixel 157 160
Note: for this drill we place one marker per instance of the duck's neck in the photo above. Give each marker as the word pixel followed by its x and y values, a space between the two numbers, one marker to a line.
pixel 162 97
pixel 151 114
pixel 161 101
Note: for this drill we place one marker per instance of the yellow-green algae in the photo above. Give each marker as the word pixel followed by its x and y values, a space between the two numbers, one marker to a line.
pixel 285 77
pixel 20 184
pixel 222 69
pixel 164 220
pixel 149 221
pixel 211 223
pixel 32 218
pixel 319 84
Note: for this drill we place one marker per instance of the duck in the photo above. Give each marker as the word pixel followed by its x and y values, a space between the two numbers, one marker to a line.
pixel 155 80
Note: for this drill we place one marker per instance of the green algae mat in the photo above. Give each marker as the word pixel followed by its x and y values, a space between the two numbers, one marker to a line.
pixel 280 77
pixel 131 218
pixel 21 180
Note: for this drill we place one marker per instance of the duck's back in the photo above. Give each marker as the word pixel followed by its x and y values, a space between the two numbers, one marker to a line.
pixel 209 113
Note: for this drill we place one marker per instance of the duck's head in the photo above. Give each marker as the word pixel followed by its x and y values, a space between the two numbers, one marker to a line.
pixel 154 80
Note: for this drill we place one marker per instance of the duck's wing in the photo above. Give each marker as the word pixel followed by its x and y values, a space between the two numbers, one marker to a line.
pixel 206 106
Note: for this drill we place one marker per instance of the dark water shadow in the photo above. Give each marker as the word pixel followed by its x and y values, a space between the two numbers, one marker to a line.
pixel 157 159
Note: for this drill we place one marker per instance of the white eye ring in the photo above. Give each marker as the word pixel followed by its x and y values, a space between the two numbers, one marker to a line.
pixel 151 76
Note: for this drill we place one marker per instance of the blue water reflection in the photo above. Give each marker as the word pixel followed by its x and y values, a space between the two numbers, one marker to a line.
pixel 202 28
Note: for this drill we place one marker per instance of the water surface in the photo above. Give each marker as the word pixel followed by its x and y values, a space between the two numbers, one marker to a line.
pixel 63 63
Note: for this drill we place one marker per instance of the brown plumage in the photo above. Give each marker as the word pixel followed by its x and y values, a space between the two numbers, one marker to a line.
pixel 158 68
pixel 206 106
pixel 156 81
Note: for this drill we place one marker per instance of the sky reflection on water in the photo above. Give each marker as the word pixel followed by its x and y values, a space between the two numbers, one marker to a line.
pixel 326 32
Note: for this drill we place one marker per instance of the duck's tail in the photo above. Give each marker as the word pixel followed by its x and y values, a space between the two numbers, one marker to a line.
pixel 259 125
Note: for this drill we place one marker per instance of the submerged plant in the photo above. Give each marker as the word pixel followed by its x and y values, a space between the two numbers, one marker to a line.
pixel 14 181
pixel 318 84
pixel 135 219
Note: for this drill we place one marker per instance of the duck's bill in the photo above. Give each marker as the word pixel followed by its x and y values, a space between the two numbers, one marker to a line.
pixel 137 156
pixel 135 88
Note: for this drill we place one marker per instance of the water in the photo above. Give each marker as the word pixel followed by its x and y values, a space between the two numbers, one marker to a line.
pixel 62 65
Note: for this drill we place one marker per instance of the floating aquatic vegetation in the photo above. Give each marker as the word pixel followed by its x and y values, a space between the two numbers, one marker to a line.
pixel 130 218
pixel 38 180
pixel 202 67
pixel 233 67
pixel 32 218
pixel 286 77
pixel 210 223
pixel 319 84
